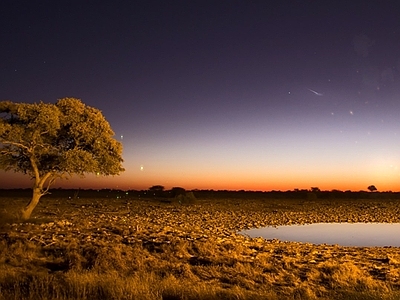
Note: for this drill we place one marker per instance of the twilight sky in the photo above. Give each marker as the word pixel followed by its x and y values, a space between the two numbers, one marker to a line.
pixel 253 95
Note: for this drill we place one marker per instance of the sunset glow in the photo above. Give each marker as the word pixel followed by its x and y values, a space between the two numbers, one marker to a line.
pixel 233 97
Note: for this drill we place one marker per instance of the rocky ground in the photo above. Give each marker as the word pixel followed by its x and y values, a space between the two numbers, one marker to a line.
pixel 154 224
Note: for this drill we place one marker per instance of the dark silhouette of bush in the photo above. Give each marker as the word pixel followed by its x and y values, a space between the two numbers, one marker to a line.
pixel 187 198
pixel 157 191
pixel 312 196
pixel 176 191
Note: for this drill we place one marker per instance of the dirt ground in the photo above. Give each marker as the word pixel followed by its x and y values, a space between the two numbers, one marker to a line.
pixel 205 234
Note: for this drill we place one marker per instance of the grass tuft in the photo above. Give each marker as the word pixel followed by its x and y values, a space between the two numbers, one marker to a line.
pixel 168 251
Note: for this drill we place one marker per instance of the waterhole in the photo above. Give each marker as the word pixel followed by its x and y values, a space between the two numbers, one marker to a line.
pixel 344 234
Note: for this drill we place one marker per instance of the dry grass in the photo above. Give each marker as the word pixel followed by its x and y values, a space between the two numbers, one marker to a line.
pixel 86 257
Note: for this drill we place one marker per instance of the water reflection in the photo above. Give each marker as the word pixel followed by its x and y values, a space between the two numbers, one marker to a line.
pixel 344 234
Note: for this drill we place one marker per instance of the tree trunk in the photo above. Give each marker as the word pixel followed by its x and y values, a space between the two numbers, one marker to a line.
pixel 27 211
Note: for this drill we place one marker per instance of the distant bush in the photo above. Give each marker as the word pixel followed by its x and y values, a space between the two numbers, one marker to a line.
pixel 312 196
pixel 187 198
pixel 176 191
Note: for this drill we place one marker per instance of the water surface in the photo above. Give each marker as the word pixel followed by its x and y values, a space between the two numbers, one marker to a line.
pixel 344 234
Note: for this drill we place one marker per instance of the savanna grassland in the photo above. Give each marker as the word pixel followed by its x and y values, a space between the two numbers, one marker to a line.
pixel 130 248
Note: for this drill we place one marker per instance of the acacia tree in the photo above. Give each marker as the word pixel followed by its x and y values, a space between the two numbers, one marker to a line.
pixel 157 190
pixel 51 141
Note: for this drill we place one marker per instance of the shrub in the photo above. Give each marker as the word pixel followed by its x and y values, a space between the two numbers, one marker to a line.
pixel 187 198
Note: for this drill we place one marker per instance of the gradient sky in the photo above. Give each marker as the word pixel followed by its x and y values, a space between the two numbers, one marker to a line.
pixel 253 95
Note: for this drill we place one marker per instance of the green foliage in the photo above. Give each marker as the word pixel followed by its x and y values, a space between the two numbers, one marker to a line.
pixel 49 141
pixel 66 137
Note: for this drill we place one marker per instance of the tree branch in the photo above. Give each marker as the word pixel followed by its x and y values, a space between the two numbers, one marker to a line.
pixel 15 144
pixel 52 178
pixel 35 171
pixel 9 152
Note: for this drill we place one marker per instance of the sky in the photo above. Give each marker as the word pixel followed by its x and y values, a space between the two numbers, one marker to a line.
pixel 223 95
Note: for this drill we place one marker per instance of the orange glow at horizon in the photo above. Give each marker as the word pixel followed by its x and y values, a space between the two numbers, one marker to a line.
pixel 247 101
pixel 385 178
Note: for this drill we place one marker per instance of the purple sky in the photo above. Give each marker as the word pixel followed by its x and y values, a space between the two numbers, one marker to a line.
pixel 220 94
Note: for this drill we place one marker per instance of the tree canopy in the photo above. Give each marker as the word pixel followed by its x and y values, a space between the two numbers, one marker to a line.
pixel 50 141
